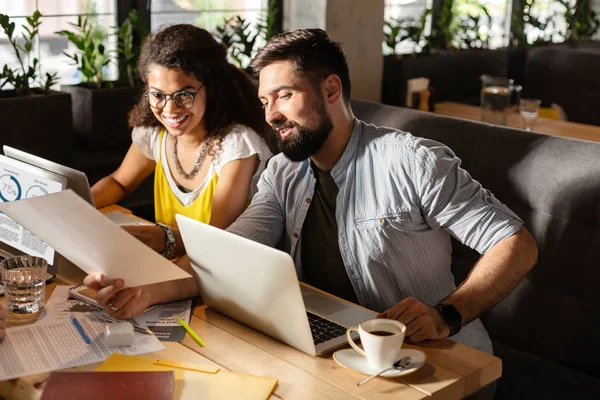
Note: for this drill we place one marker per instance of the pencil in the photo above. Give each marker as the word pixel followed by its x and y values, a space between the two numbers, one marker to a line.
pixel 190 331
pixel 80 330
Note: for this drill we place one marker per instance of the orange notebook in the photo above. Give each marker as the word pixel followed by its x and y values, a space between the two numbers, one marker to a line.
pixel 151 385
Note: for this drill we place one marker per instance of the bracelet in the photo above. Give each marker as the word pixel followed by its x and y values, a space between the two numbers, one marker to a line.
pixel 170 251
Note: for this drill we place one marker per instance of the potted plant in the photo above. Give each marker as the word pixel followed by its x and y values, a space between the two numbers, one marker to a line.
pixel 100 107
pixel 582 21
pixel 242 38
pixel 33 118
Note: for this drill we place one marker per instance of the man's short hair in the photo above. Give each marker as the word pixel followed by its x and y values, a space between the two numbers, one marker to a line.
pixel 313 55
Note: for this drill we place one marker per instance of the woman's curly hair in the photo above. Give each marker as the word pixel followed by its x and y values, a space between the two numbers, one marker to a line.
pixel 231 97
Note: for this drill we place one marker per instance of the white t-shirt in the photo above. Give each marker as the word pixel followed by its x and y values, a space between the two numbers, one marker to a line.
pixel 241 142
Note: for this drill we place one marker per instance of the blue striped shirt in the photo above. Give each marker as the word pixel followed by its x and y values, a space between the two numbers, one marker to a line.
pixel 400 199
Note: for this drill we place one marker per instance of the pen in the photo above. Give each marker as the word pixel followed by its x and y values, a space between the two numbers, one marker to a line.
pixel 80 330
pixel 190 331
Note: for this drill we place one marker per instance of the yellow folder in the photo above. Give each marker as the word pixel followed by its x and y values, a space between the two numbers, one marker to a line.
pixel 195 381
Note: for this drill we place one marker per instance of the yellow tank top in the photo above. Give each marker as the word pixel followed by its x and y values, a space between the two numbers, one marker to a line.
pixel 166 204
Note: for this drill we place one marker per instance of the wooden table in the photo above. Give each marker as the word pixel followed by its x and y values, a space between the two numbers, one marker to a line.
pixel 452 370
pixel 542 125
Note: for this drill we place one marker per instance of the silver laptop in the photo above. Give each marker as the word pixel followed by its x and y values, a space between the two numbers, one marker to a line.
pixel 19 180
pixel 76 180
pixel 257 285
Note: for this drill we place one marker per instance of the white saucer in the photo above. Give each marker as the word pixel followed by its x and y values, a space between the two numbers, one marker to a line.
pixel 351 359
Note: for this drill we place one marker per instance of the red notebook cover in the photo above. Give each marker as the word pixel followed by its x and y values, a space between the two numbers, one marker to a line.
pixel 150 385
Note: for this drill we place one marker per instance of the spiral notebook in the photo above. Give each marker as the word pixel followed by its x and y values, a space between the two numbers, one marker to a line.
pixel 84 294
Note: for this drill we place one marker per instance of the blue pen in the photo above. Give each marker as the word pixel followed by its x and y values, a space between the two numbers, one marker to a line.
pixel 80 330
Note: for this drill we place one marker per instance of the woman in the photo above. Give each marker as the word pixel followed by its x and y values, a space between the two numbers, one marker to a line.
pixel 199 128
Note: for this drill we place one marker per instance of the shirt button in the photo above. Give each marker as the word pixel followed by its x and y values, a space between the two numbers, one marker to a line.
pixel 489 200
pixel 310 172
pixel 295 235
pixel 381 221
pixel 307 200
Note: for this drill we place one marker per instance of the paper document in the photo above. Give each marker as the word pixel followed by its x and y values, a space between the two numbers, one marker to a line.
pixel 90 240
pixel 192 384
pixel 162 320
pixel 56 344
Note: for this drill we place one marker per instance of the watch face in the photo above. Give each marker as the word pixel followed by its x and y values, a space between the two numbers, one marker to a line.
pixel 450 313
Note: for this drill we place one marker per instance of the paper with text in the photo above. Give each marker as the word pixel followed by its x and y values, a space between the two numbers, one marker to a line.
pixel 90 240
pixel 44 347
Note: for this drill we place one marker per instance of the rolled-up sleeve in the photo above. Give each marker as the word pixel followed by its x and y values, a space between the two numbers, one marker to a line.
pixel 452 200
pixel 264 220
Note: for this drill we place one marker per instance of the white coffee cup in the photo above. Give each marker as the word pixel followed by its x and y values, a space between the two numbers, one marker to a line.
pixel 381 339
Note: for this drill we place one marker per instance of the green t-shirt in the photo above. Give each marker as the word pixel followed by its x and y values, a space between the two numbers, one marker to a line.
pixel 322 263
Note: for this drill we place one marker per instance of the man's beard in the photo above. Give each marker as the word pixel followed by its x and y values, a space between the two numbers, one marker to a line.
pixel 306 141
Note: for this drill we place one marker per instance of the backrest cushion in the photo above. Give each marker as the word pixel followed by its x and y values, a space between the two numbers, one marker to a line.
pixel 567 77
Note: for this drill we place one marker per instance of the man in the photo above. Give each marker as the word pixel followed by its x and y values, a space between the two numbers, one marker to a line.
pixel 366 212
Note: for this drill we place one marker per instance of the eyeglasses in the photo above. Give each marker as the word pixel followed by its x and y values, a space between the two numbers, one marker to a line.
pixel 181 99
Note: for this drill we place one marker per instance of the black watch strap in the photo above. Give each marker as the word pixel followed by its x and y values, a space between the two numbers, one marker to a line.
pixel 451 316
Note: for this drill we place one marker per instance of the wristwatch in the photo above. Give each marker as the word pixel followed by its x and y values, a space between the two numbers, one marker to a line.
pixel 170 251
pixel 451 316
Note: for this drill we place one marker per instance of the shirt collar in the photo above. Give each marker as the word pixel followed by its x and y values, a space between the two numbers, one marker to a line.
pixel 340 168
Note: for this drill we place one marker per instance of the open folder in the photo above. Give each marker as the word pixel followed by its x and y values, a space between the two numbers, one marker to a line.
pixel 196 381
pixel 90 240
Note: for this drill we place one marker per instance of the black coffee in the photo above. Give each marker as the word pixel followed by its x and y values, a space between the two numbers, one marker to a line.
pixel 382 333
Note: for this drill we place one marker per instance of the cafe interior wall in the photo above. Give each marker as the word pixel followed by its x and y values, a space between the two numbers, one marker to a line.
pixel 358 25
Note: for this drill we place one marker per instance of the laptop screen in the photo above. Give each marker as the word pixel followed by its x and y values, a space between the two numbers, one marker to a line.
pixel 20 181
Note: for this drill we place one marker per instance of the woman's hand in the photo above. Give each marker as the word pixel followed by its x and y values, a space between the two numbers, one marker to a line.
pixel 119 301
pixel 152 236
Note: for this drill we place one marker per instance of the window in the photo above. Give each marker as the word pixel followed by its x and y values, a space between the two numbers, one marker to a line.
pixel 550 13
pixel 56 16
pixel 411 10
pixel 207 14
pixel 461 10
pixel 210 14
pixel 496 32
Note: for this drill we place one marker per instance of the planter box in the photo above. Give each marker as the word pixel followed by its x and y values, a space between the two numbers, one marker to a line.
pixel 454 76
pixel 40 124
pixel 100 115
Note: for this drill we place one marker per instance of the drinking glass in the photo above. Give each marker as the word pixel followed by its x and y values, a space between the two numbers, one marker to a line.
pixel 24 280
pixel 498 96
pixel 529 110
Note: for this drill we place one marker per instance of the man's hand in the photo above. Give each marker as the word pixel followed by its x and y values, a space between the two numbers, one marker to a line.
pixel 422 321
pixel 118 301
pixel 3 325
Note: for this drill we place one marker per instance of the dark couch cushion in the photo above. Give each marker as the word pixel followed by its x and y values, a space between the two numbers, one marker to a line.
pixel 568 77
pixel 454 76
pixel 525 376
pixel 553 183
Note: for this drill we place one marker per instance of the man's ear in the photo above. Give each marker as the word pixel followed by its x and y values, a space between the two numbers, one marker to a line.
pixel 331 89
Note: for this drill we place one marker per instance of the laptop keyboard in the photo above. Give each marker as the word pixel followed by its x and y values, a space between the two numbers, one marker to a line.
pixel 322 329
